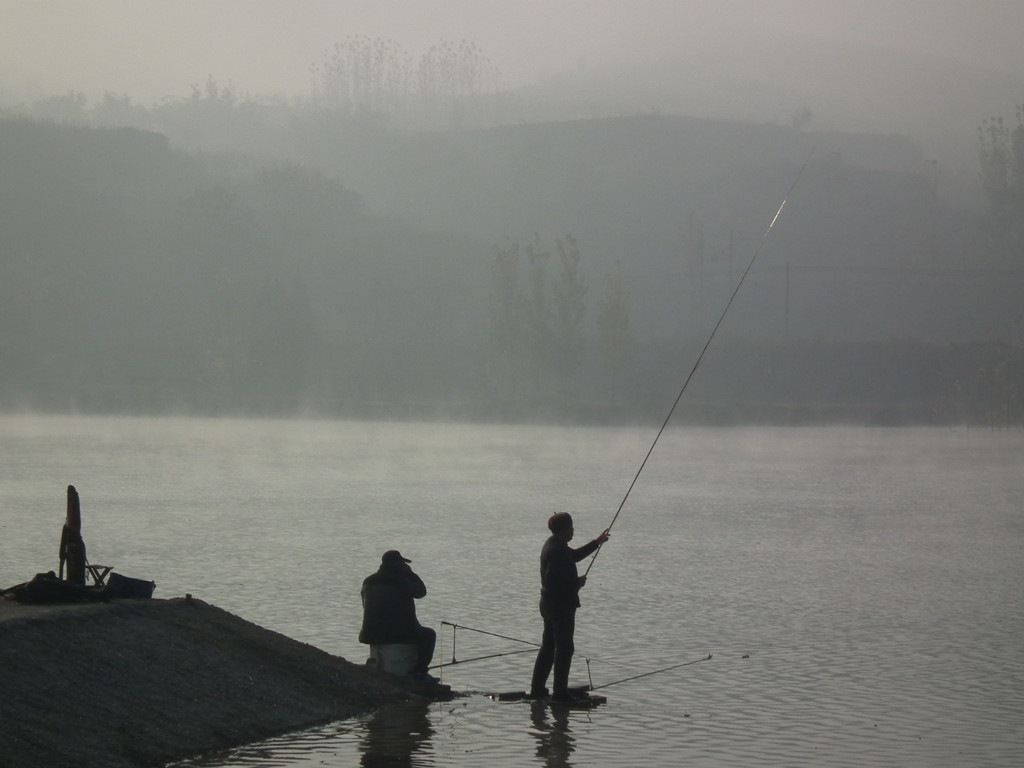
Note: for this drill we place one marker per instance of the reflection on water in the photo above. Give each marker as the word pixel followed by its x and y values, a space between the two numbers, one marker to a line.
pixel 473 731
pixel 555 742
pixel 396 737
pixel 290 749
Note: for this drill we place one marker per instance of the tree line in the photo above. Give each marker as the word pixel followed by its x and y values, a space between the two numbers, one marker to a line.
pixel 360 80
pixel 377 78
pixel 539 337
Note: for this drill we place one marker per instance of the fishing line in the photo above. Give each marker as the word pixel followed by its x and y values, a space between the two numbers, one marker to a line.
pixel 707 344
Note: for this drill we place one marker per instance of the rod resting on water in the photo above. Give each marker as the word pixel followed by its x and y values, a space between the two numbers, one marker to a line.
pixel 455 627
pixel 707 344
pixel 455 661
pixel 532 647
pixel 648 674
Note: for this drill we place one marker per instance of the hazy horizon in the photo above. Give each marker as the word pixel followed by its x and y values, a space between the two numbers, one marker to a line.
pixel 152 49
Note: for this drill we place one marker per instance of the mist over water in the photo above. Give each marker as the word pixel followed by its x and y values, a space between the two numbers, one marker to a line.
pixel 858 589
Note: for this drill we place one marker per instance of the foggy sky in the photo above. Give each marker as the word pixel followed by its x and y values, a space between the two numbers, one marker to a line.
pixel 363 322
pixel 151 49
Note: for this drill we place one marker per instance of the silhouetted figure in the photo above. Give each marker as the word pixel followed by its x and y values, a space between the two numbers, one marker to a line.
pixel 389 610
pixel 559 599
pixel 72 547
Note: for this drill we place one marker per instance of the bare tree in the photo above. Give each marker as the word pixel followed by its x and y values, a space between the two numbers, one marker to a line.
pixel 538 314
pixel 451 77
pixel 570 308
pixel 507 317
pixel 364 76
pixel 615 339
pixel 1001 159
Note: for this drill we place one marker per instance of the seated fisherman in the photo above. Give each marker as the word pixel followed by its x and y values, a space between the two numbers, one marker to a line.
pixel 389 610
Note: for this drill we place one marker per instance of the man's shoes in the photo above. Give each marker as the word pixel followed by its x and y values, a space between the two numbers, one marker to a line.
pixel 425 677
pixel 538 693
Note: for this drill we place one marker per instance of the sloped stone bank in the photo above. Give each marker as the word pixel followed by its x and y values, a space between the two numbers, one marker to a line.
pixel 134 683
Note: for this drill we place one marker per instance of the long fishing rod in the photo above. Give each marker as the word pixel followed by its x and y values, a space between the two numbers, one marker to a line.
pixel 707 344
pixel 648 674
pixel 455 627
pixel 533 646
pixel 455 661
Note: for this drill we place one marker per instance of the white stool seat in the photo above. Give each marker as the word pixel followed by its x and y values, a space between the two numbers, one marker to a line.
pixel 396 658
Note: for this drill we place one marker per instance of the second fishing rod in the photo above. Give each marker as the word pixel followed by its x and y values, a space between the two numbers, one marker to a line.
pixel 704 349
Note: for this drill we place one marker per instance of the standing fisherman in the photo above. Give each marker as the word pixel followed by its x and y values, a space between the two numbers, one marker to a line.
pixel 559 599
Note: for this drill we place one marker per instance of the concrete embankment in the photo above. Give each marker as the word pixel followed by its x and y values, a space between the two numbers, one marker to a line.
pixel 134 683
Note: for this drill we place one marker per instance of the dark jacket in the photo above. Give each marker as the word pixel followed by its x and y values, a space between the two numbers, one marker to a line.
pixel 559 580
pixel 389 610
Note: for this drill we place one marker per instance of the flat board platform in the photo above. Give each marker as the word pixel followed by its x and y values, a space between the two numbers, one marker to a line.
pixel 592 700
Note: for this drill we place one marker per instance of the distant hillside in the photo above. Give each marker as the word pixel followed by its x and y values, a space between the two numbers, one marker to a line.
pixel 937 101
pixel 364 280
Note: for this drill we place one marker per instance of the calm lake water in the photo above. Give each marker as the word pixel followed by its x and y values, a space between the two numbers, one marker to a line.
pixel 861 591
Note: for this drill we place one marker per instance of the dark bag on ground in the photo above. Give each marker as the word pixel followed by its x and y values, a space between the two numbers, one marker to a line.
pixel 47 588
pixel 125 586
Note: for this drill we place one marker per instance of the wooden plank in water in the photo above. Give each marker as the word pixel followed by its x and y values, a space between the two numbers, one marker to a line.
pixel 591 700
